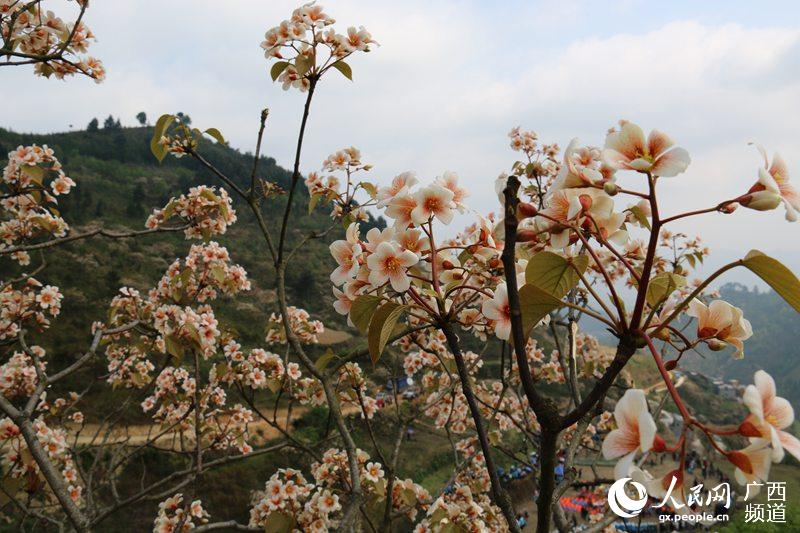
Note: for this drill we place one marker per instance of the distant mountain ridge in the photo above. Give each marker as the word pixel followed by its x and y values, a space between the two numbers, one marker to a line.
pixel 774 346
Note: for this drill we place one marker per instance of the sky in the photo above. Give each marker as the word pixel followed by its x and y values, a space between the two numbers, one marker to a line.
pixel 451 78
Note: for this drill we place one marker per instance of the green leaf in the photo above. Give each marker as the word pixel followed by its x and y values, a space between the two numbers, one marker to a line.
pixel 279 523
pixel 344 68
pixel 324 360
pixel 35 173
pixel 781 279
pixel 158 149
pixel 554 273
pixel 277 69
pixel 218 273
pixel 313 201
pixel 371 189
pixel 11 485
pixel 303 64
pixel 362 310
pixel 216 134
pixel 535 304
pixel 661 286
pixel 381 327
pixel 174 346
pixel 639 215
pixel 347 220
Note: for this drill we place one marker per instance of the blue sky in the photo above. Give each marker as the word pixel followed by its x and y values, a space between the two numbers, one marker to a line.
pixel 451 78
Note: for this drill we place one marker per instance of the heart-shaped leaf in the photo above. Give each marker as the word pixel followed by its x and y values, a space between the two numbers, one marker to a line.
pixel 777 276
pixel 554 273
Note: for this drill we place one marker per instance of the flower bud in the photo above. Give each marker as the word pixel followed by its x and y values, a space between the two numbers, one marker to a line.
pixel 527 235
pixel 659 445
pixel 741 461
pixel 526 210
pixel 671 365
pixel 610 188
pixel 715 345
pixel 748 428
pixel 761 200
pixel 586 201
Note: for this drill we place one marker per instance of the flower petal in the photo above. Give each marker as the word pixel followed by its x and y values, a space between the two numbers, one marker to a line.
pixel 672 163
pixel 618 443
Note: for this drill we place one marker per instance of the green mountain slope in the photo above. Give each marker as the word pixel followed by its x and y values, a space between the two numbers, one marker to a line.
pixel 119 182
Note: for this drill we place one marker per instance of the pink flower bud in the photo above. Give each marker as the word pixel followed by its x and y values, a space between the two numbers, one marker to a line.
pixel 526 210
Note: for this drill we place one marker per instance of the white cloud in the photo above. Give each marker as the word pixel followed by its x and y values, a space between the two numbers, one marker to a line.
pixel 450 80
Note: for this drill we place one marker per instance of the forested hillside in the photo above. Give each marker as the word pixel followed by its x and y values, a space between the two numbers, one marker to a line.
pixel 119 183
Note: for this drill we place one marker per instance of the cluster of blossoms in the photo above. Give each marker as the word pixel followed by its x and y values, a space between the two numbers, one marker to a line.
pixel 28 305
pixel 32 32
pixel 461 510
pixel 306 329
pixel 351 388
pixel 389 258
pixel 333 473
pixel 18 463
pixel 180 329
pixel 304 36
pixel 290 500
pixel 31 181
pixel 175 516
pixel 330 189
pixel 202 276
pixel 539 163
pixel 764 427
pixel 206 211
pixel 18 376
pixel 260 369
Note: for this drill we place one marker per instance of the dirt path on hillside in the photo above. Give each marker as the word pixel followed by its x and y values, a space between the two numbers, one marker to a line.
pixel 92 434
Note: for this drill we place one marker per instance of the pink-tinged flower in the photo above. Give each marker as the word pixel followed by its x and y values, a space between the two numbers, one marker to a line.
pixel 376 236
pixel 628 149
pixel 636 431
pixel 449 180
pixel 769 416
pixel 399 187
pixel 400 209
pixel 373 472
pixel 356 40
pixel 773 188
pixel 328 502
pixel 343 303
pixel 582 166
pixel 390 263
pixel 720 321
pixel 587 207
pixel 62 185
pixel 497 309
pixel 433 201
pixel 752 465
pixel 346 255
